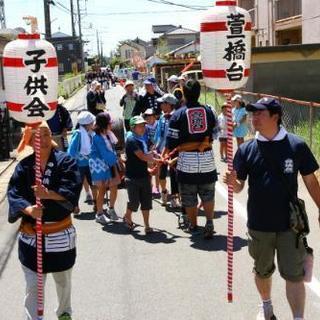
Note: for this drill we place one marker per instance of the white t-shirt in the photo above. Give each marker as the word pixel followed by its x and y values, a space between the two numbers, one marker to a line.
pixel 222 120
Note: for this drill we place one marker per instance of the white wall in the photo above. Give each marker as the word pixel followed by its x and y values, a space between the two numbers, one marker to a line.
pixel 264 23
pixel 310 25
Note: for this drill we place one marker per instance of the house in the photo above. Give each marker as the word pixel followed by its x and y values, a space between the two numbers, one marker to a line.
pixel 283 22
pixel 130 49
pixel 174 38
pixel 191 49
pixel 68 52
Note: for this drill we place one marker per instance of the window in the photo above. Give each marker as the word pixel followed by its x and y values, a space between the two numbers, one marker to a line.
pixel 128 54
pixel 70 46
pixel 59 47
pixel 288 8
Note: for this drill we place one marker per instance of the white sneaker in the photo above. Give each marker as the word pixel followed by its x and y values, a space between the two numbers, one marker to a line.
pixel 266 313
pixel 113 215
pixel 102 218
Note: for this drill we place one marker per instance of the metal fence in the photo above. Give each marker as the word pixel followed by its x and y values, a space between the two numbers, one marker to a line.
pixel 299 117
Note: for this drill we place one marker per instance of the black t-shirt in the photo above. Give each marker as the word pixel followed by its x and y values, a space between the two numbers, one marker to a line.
pixel 268 199
pixel 148 101
pixel 135 168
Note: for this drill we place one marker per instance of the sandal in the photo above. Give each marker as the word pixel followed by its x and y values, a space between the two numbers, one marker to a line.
pixel 129 225
pixel 148 230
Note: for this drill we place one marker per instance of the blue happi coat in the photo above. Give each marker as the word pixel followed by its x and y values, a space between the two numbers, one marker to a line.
pixel 62 176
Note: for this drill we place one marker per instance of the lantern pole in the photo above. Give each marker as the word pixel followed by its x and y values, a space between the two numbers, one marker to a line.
pixel 39 228
pixel 228 94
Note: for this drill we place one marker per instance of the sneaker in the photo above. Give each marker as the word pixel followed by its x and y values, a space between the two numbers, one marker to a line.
pixel 193 230
pixel 175 203
pixel 164 198
pixel 102 218
pixel 183 221
pixel 155 192
pixel 208 231
pixel 266 313
pixel 113 215
pixel 89 198
pixel 65 316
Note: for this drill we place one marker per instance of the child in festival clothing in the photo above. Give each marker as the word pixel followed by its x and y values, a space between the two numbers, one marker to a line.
pixel 167 103
pixel 80 148
pixel 151 127
pixel 223 133
pixel 137 175
pixel 101 161
pixel 112 184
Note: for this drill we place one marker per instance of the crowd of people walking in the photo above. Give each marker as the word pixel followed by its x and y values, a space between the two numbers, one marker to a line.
pixel 166 134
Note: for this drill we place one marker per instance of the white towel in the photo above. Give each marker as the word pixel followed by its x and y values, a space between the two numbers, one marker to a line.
pixel 85 144
pixel 113 140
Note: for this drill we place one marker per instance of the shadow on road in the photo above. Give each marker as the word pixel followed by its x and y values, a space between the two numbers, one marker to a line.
pixel 158 236
pixel 85 216
pixel 218 243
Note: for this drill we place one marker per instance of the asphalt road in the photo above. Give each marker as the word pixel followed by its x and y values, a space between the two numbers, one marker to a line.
pixel 166 275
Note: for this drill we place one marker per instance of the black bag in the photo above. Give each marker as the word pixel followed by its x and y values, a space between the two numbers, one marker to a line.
pixel 299 221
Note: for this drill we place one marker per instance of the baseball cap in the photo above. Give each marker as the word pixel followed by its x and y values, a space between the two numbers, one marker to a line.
pixel 173 78
pixel 136 120
pixel 264 104
pixel 85 117
pixel 147 81
pixel 168 98
pixel 129 83
pixel 149 112
pixel 236 97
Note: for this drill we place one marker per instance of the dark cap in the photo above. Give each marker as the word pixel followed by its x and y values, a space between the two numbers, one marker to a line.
pixel 265 104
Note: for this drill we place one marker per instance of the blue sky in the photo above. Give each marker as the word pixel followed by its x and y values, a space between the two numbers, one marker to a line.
pixel 101 16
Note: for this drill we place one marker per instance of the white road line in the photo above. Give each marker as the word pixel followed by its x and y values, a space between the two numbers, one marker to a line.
pixel 314 285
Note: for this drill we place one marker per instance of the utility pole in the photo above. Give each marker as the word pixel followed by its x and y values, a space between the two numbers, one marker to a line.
pixel 47 20
pixel 2 15
pixel 98 45
pixel 80 35
pixel 72 19
pixel 101 53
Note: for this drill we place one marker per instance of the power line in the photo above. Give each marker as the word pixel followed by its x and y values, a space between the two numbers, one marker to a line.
pixel 194 7
pixel 134 12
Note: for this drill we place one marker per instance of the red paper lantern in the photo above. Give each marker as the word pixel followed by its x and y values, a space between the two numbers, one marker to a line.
pixel 31 78
pixel 225 46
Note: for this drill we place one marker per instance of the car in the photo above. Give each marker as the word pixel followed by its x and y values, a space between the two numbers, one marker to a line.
pixel 194 74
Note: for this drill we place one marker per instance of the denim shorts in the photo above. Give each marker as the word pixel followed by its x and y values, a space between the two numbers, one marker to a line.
pixel 139 193
pixel 189 193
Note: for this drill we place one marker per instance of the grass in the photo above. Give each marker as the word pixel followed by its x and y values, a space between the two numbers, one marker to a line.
pixel 303 130
pixel 212 98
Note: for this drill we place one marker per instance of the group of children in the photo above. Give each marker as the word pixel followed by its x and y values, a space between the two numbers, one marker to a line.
pixel 93 145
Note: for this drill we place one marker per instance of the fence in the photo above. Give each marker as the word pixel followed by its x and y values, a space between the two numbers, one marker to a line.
pixel 299 117
pixel 68 86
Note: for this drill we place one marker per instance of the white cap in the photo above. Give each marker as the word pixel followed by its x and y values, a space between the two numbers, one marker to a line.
pixel 85 117
pixel 236 97
pixel 173 78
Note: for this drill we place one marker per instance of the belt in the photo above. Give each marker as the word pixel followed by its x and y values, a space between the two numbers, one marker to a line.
pixel 47 228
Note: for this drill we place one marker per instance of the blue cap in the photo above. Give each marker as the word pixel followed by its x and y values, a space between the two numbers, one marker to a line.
pixel 264 104
pixel 147 81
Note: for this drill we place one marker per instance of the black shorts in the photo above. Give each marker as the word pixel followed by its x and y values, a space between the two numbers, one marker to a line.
pixel 163 172
pixel 85 173
pixel 139 194
pixel 222 139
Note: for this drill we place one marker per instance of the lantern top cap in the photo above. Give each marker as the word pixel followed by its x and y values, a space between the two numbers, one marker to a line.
pixel 33 22
pixel 225 3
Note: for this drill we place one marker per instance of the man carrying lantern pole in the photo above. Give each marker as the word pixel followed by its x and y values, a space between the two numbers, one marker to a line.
pixel 45 186
pixel 225 46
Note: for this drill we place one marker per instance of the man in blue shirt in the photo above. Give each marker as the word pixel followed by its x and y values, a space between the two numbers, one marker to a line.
pixel 268 202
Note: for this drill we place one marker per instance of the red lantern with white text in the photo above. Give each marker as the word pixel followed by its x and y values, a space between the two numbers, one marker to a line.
pixel 225 46
pixel 31 78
